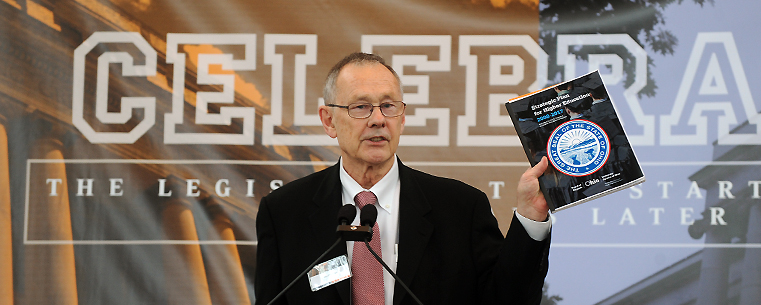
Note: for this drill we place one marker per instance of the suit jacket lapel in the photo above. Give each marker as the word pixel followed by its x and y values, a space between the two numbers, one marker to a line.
pixel 327 199
pixel 414 229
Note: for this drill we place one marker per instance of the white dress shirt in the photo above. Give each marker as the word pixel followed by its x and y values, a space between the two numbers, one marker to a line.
pixel 387 191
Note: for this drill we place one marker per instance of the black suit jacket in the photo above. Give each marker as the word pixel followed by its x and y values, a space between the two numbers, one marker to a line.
pixel 451 250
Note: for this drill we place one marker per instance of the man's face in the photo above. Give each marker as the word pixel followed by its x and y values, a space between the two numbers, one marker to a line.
pixel 371 141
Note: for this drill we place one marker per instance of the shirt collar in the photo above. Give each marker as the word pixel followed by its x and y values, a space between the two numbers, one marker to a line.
pixel 384 189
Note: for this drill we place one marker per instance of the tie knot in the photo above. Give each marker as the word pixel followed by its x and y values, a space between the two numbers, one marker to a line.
pixel 365 198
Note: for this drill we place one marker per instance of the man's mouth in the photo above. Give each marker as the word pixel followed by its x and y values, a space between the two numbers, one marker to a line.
pixel 377 139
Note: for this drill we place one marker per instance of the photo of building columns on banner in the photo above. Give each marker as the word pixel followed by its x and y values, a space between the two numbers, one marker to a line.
pixel 669 211
pixel 123 201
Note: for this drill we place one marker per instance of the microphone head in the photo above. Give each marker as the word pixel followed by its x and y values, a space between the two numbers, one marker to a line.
pixel 368 215
pixel 346 214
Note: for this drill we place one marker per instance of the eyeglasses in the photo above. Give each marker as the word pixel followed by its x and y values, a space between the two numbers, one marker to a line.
pixel 364 110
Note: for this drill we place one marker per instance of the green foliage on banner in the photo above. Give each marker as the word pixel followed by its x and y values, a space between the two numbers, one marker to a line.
pixel 548 299
pixel 642 20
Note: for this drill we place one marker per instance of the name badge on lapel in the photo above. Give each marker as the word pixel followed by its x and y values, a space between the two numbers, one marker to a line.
pixel 329 272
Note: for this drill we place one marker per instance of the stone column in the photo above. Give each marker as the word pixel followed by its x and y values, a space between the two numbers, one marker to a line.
pixel 6 237
pixel 750 293
pixel 714 271
pixel 184 271
pixel 226 280
pixel 50 271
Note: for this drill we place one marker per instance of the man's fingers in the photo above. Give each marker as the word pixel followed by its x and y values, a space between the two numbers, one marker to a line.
pixel 538 169
pixel 531 201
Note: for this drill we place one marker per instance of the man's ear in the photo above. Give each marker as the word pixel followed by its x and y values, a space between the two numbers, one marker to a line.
pixel 326 117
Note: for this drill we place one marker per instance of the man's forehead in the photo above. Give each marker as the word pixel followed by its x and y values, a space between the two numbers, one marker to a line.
pixel 367 80
pixel 358 68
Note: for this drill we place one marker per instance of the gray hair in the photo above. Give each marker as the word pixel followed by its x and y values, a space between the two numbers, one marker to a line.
pixel 357 58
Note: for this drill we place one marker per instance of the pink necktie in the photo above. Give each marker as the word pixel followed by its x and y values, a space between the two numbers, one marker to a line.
pixel 367 273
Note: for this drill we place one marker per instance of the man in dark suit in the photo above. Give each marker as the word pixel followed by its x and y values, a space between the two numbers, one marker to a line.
pixel 438 234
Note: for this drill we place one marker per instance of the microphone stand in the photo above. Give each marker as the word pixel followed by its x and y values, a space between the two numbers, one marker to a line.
pixel 338 240
pixel 398 280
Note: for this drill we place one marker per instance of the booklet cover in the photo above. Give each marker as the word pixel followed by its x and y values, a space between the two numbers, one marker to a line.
pixel 575 125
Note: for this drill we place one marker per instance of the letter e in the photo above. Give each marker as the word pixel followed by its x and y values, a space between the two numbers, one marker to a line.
pixel 686 215
pixel 116 187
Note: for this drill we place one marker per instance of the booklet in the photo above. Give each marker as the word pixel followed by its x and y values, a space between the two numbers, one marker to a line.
pixel 575 125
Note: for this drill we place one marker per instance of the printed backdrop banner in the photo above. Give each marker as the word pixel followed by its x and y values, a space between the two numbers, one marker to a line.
pixel 137 137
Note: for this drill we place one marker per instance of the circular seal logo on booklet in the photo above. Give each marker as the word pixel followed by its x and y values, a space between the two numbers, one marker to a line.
pixel 578 148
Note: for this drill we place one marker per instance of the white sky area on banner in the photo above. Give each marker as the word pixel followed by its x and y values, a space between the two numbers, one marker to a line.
pixel 589 275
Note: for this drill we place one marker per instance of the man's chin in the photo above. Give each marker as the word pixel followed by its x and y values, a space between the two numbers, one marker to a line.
pixel 378 159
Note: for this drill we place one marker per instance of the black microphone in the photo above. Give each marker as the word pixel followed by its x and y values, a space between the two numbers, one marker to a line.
pixel 367 216
pixel 348 232
pixel 345 215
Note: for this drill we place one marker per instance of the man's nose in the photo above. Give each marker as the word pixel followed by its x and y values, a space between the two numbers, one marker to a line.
pixel 376 118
